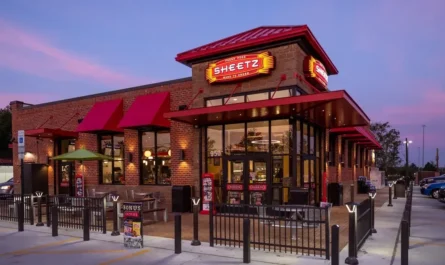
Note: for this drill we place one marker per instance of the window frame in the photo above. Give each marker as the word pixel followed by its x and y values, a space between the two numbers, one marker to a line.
pixel 100 163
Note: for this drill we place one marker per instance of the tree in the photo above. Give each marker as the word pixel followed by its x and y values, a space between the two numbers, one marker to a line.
pixel 389 138
pixel 5 128
pixel 430 166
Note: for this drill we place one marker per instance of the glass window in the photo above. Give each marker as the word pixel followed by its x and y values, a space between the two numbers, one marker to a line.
pixel 305 139
pixel 281 93
pixel 214 102
pixel 258 136
pixel 233 100
pixel 156 158
pixel 350 153
pixel 234 138
pixel 112 172
pixel 257 96
pixel 214 141
pixel 280 138
pixel 298 137
pixel 311 140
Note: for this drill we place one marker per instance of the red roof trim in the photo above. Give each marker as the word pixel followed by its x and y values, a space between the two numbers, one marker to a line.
pixel 359 134
pixel 51 133
pixel 257 37
pixel 103 116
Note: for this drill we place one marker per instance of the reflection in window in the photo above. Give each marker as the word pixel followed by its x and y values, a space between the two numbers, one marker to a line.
pixel 258 136
pixel 156 158
pixel 305 139
pixel 214 102
pixel 234 138
pixel 281 134
pixel 311 140
pixel 233 100
pixel 257 96
pixel 112 172
pixel 281 167
pixel 214 140
pixel 298 137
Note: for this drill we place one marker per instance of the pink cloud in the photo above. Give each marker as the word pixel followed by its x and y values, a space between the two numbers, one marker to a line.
pixel 24 51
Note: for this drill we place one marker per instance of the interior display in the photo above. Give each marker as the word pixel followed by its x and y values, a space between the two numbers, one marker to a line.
pixel 208 192
pixel 235 197
pixel 112 172
pixel 156 159
pixel 257 198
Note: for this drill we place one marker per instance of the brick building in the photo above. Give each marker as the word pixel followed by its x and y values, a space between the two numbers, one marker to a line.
pixel 256 113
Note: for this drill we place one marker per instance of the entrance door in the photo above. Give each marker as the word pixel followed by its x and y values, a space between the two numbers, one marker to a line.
pixel 310 181
pixel 246 179
pixel 66 178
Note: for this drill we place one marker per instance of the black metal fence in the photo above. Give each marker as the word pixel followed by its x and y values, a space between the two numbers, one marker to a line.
pixel 9 210
pixel 294 229
pixel 405 225
pixel 363 222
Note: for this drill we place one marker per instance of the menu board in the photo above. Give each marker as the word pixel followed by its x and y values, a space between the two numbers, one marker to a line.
pixel 133 234
pixel 79 185
pixel 208 190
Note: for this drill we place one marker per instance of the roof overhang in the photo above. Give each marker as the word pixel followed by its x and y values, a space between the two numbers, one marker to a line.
pixel 360 135
pixel 51 133
pixel 104 116
pixel 327 109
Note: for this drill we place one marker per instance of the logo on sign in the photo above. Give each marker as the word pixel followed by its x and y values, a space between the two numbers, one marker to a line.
pixel 240 67
pixel 315 71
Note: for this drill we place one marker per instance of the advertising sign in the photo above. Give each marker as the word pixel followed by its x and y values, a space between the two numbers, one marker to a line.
pixel 133 229
pixel 208 192
pixel 258 187
pixel 79 185
pixel 240 67
pixel 238 187
pixel 21 143
pixel 315 72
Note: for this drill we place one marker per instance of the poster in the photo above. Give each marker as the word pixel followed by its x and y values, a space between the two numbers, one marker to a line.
pixel 132 218
pixel 79 185
pixel 208 191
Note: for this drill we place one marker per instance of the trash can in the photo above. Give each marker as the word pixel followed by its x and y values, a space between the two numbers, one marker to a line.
pixel 399 190
pixel 335 193
pixel 299 196
pixel 181 199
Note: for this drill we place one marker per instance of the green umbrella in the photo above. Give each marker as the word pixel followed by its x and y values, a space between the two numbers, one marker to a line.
pixel 82 155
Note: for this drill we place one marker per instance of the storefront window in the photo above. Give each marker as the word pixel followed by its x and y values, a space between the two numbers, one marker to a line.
pixel 234 138
pixel 257 96
pixel 112 172
pixel 156 158
pixel 281 136
pixel 258 136
pixel 214 102
pixel 233 100
pixel 282 93
pixel 305 139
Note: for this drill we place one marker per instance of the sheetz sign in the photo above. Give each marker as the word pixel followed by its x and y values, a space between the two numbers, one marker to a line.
pixel 240 67
pixel 315 72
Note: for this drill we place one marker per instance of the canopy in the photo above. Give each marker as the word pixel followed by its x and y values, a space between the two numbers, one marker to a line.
pixel 104 116
pixel 82 155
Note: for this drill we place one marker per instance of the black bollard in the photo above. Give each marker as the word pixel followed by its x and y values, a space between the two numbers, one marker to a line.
pixel 372 201
pixel 195 241
pixel 352 255
pixel 86 223
pixel 246 240
pixel 39 208
pixel 54 221
pixel 335 245
pixel 178 243
pixel 211 239
pixel 20 216
pixel 115 216
pixel 390 196
pixel 48 212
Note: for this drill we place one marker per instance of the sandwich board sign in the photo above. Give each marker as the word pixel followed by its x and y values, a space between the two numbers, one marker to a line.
pixel 21 143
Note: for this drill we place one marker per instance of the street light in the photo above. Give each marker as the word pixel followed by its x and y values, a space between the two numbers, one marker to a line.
pixel 406 142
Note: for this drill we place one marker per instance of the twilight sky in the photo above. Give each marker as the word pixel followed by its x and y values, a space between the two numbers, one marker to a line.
pixel 389 53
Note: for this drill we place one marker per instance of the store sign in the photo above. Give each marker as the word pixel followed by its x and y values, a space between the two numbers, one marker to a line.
pixel 208 191
pixel 315 71
pixel 133 235
pixel 79 185
pixel 258 187
pixel 237 187
pixel 240 67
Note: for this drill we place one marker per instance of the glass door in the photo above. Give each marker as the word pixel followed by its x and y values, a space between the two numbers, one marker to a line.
pixel 66 178
pixel 235 179
pixel 309 177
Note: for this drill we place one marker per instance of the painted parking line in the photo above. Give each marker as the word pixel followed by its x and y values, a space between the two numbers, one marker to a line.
pixel 126 257
pixel 28 250
pixel 414 243
pixel 77 251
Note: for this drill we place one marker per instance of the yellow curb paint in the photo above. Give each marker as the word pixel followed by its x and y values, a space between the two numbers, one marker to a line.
pixel 129 256
pixel 79 251
pixel 25 251
pixel 424 243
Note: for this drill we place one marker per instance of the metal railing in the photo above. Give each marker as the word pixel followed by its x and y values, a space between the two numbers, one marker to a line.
pixel 296 229
pixel 363 222
pixel 9 210
pixel 405 225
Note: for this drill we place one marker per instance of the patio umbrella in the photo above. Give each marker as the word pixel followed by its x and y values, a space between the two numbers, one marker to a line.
pixel 82 155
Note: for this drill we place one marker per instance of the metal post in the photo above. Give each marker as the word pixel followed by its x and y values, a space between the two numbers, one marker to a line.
pixel 352 193
pixel 246 240
pixel 211 241
pixel 327 235
pixel 39 208
pixel 115 217
pixel 390 195
pixel 335 245
pixel 405 243
pixel 195 241
pixel 86 223
pixel 54 221
pixel 20 216
pixel 372 199
pixel 178 237
pixel 352 255
pixel 21 205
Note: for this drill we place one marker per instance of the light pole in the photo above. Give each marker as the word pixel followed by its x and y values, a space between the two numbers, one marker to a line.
pixel 423 145
pixel 406 142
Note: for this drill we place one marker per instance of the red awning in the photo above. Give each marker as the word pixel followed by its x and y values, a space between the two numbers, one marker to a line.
pixel 103 116
pixel 360 135
pixel 328 109
pixel 51 133
pixel 148 110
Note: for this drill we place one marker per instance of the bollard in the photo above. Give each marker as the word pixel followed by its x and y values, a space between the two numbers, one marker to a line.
pixel 195 241
pixel 48 212
pixel 352 193
pixel 371 206
pixel 39 208
pixel 246 240
pixel 335 245
pixel 86 223
pixel 178 243
pixel 115 217
pixel 404 243
pixel 54 221
pixel 20 216
pixel 390 195
pixel 211 241
pixel 352 255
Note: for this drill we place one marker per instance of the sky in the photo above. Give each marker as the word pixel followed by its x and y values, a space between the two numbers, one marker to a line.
pixel 389 53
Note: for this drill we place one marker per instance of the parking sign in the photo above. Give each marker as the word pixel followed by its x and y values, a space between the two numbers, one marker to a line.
pixel 21 143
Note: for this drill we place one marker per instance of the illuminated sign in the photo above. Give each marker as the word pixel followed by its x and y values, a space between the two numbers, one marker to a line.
pixel 240 67
pixel 315 71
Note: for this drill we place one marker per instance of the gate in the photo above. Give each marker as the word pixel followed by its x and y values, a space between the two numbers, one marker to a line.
pixel 363 222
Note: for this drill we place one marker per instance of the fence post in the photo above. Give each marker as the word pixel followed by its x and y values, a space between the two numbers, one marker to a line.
pixel 195 202
pixel 30 210
pixel 352 255
pixel 404 243
pixel 246 240
pixel 54 221
pixel 390 194
pixel 327 236
pixel 115 232
pixel 211 240
pixel 104 215
pixel 39 208
pixel 335 230
pixel 20 216
pixel 86 222
pixel 178 243
pixel 48 211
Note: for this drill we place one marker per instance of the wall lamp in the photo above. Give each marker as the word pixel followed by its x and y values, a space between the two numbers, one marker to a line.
pixel 130 157
pixel 48 160
pixel 182 155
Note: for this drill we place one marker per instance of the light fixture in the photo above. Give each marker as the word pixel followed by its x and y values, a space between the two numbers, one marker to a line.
pixel 48 160
pixel 147 153
pixel 169 152
pixel 182 155
pixel 409 142
pixel 130 157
